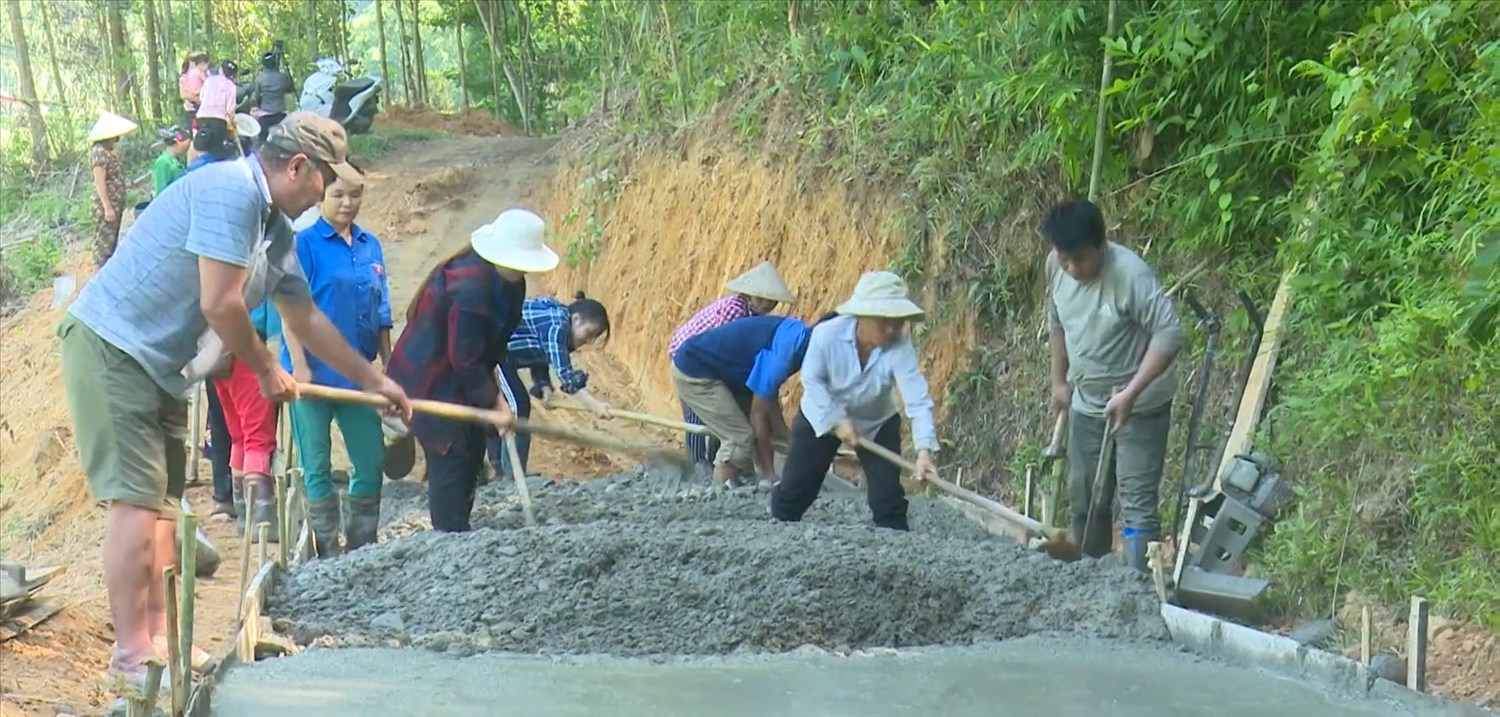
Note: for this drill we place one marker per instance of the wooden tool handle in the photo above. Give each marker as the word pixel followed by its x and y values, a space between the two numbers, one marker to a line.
pixel 1059 435
pixel 432 408
pixel 991 505
pixel 638 418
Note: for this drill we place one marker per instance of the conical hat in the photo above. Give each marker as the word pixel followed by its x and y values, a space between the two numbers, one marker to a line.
pixel 761 282
pixel 110 126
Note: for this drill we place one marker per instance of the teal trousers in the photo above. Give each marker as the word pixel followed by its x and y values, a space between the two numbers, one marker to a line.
pixel 364 439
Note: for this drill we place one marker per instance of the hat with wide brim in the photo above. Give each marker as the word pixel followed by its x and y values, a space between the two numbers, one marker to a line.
pixel 110 126
pixel 515 240
pixel 761 282
pixel 246 126
pixel 880 294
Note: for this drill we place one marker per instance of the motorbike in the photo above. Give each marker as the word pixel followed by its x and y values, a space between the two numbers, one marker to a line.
pixel 335 93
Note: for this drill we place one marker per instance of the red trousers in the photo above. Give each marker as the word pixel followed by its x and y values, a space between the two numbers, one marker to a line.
pixel 251 419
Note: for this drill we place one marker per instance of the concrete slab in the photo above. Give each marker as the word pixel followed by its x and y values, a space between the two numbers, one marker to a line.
pixel 1033 676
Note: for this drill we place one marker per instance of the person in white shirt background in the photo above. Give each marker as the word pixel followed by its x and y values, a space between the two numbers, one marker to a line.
pixel 855 359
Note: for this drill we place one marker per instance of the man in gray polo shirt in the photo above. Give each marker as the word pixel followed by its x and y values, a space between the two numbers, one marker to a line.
pixel 210 245
pixel 1114 337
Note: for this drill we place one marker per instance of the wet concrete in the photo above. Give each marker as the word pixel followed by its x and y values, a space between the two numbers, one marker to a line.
pixel 1030 676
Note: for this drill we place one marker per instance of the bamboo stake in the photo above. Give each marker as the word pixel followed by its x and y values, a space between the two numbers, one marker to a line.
pixel 174 658
pixel 145 704
pixel 281 523
pixel 1416 646
pixel 262 536
pixel 187 584
pixel 1366 635
pixel 1101 120
pixel 245 539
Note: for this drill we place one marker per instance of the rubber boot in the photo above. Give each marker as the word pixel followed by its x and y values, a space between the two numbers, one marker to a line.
pixel 240 514
pixel 363 525
pixel 1134 542
pixel 323 519
pixel 1098 539
pixel 264 509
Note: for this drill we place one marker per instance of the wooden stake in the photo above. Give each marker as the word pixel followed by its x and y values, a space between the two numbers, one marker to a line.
pixel 174 657
pixel 262 536
pixel 1366 635
pixel 1026 501
pixel 187 585
pixel 1156 555
pixel 245 539
pixel 145 705
pixel 195 432
pixel 1416 645
pixel 281 523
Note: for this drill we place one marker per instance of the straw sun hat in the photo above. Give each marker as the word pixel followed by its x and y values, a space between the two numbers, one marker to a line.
pixel 110 126
pixel 246 126
pixel 761 282
pixel 880 294
pixel 515 241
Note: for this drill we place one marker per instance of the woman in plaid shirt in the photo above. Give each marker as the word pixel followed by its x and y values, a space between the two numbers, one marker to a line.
pixel 756 292
pixel 457 330
pixel 548 333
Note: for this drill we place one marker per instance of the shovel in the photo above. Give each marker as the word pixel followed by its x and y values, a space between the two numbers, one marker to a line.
pixel 400 448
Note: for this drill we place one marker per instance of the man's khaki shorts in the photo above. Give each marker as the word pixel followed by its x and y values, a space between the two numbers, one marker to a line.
pixel 131 435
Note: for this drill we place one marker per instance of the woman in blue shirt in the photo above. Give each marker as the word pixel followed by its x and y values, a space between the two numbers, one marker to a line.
pixel 345 269
pixel 548 333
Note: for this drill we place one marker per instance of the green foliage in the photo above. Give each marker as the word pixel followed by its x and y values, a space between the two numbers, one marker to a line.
pixel 30 265
pixel 1354 139
pixel 377 143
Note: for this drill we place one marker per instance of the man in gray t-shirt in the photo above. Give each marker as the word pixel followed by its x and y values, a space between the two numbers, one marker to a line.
pixel 187 265
pixel 268 94
pixel 1114 338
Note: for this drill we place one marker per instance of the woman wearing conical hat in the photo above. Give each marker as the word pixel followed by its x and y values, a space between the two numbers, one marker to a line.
pixel 856 361
pixel 755 292
pixel 108 200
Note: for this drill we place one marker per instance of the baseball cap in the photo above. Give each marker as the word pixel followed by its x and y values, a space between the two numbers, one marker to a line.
pixel 318 137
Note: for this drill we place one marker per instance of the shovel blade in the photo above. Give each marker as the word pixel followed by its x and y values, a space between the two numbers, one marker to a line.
pixel 400 456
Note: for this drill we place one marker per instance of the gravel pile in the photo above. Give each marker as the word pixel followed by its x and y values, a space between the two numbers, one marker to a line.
pixel 622 567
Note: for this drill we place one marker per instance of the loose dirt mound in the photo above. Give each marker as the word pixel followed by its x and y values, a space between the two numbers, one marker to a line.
pixel 626 570
pixel 470 121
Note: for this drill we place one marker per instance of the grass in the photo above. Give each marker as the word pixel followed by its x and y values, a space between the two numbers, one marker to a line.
pixel 377 143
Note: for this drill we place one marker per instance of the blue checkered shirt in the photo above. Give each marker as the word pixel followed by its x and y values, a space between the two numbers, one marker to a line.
pixel 545 339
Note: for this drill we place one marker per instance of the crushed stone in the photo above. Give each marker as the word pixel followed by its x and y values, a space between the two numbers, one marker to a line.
pixel 621 566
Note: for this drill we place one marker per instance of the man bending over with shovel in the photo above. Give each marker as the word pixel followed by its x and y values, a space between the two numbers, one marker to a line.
pixel 1114 336
pixel 201 253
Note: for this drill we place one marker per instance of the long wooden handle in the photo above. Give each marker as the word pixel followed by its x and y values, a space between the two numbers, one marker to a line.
pixel 1059 436
pixel 991 505
pixel 638 418
pixel 420 405
pixel 480 415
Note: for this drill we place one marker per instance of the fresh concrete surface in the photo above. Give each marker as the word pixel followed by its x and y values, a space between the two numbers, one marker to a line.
pixel 1031 676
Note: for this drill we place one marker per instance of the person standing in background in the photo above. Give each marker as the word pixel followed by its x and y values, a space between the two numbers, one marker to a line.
pixel 108 198
pixel 1114 336
pixel 756 292
pixel 345 267
pixel 190 87
pixel 171 164
pixel 268 97
pixel 216 109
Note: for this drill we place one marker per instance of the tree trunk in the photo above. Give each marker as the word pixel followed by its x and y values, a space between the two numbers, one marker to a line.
pixel 153 61
pixel 58 85
pixel 117 55
pixel 310 29
pixel 28 86
pixel 527 52
pixel 486 19
pixel 419 57
pixel 344 29
pixel 165 36
pixel 208 28
pixel 412 98
pixel 493 22
pixel 385 65
pixel 463 70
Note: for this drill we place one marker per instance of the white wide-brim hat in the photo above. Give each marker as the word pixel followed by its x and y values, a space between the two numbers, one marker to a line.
pixel 246 126
pixel 761 282
pixel 110 126
pixel 515 240
pixel 880 294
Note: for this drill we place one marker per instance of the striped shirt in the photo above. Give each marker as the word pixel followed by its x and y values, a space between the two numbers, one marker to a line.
pixel 146 300
pixel 545 338
pixel 718 312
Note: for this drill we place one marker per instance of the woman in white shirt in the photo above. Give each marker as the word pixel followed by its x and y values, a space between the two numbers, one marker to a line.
pixel 855 358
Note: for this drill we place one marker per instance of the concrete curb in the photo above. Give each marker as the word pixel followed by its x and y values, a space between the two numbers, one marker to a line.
pixel 1248 647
